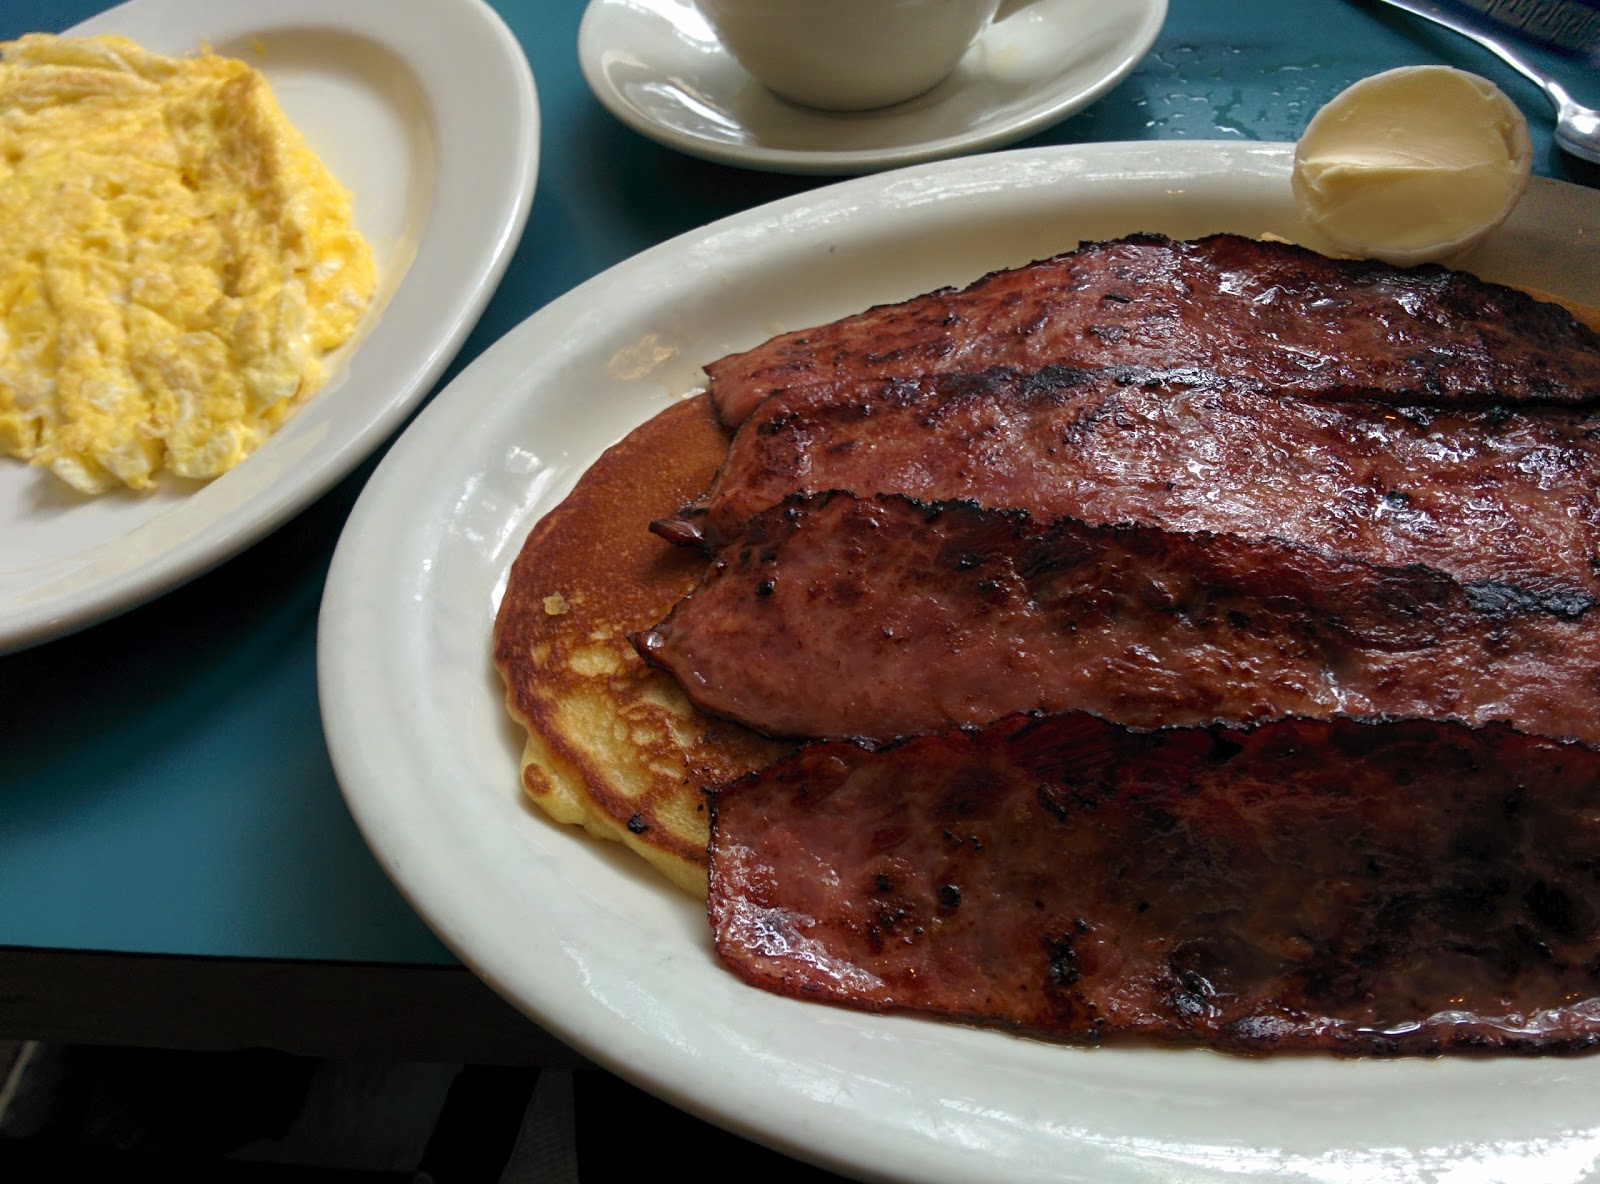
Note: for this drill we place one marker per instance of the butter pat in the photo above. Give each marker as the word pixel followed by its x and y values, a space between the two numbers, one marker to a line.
pixel 1412 165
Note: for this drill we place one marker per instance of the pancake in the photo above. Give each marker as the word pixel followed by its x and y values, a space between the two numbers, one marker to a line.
pixel 1584 314
pixel 613 745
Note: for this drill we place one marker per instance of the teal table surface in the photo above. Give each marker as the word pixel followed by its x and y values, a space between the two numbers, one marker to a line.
pixel 164 784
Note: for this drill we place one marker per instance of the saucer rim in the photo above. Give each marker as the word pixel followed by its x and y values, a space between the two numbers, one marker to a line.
pixel 988 134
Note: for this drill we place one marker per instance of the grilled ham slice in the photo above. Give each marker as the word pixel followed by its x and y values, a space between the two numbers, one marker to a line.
pixel 1510 495
pixel 1223 311
pixel 900 617
pixel 1405 887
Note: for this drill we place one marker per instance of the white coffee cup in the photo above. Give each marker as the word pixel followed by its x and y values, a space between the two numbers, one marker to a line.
pixel 848 55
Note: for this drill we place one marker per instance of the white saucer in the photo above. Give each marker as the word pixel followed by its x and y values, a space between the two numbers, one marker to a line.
pixel 657 66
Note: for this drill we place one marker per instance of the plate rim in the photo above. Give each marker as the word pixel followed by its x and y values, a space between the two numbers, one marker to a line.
pixel 823 163
pixel 474 274
pixel 355 580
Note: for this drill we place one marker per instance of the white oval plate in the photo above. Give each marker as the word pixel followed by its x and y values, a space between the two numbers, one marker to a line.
pixel 427 114
pixel 657 66
pixel 596 947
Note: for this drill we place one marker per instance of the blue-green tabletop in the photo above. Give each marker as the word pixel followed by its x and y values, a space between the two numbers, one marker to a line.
pixel 164 783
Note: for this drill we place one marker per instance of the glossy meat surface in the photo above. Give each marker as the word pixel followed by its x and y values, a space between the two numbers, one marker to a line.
pixel 1226 311
pixel 1504 495
pixel 1406 887
pixel 903 616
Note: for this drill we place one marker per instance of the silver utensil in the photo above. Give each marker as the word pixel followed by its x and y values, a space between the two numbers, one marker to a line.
pixel 1577 127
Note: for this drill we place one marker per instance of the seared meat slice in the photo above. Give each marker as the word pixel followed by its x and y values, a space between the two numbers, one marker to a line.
pixel 1508 496
pixel 1228 311
pixel 897 617
pixel 1404 887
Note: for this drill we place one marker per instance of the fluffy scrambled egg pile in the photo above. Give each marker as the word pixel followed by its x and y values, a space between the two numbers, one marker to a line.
pixel 174 262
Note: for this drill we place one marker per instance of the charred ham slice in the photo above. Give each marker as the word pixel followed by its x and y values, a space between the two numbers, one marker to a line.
pixel 1506 495
pixel 904 616
pixel 1404 887
pixel 1226 311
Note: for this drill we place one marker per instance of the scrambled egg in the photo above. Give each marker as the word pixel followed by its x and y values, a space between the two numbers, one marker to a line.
pixel 174 262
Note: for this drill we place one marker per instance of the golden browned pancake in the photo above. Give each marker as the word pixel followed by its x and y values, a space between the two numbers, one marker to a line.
pixel 613 745
pixel 1586 314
